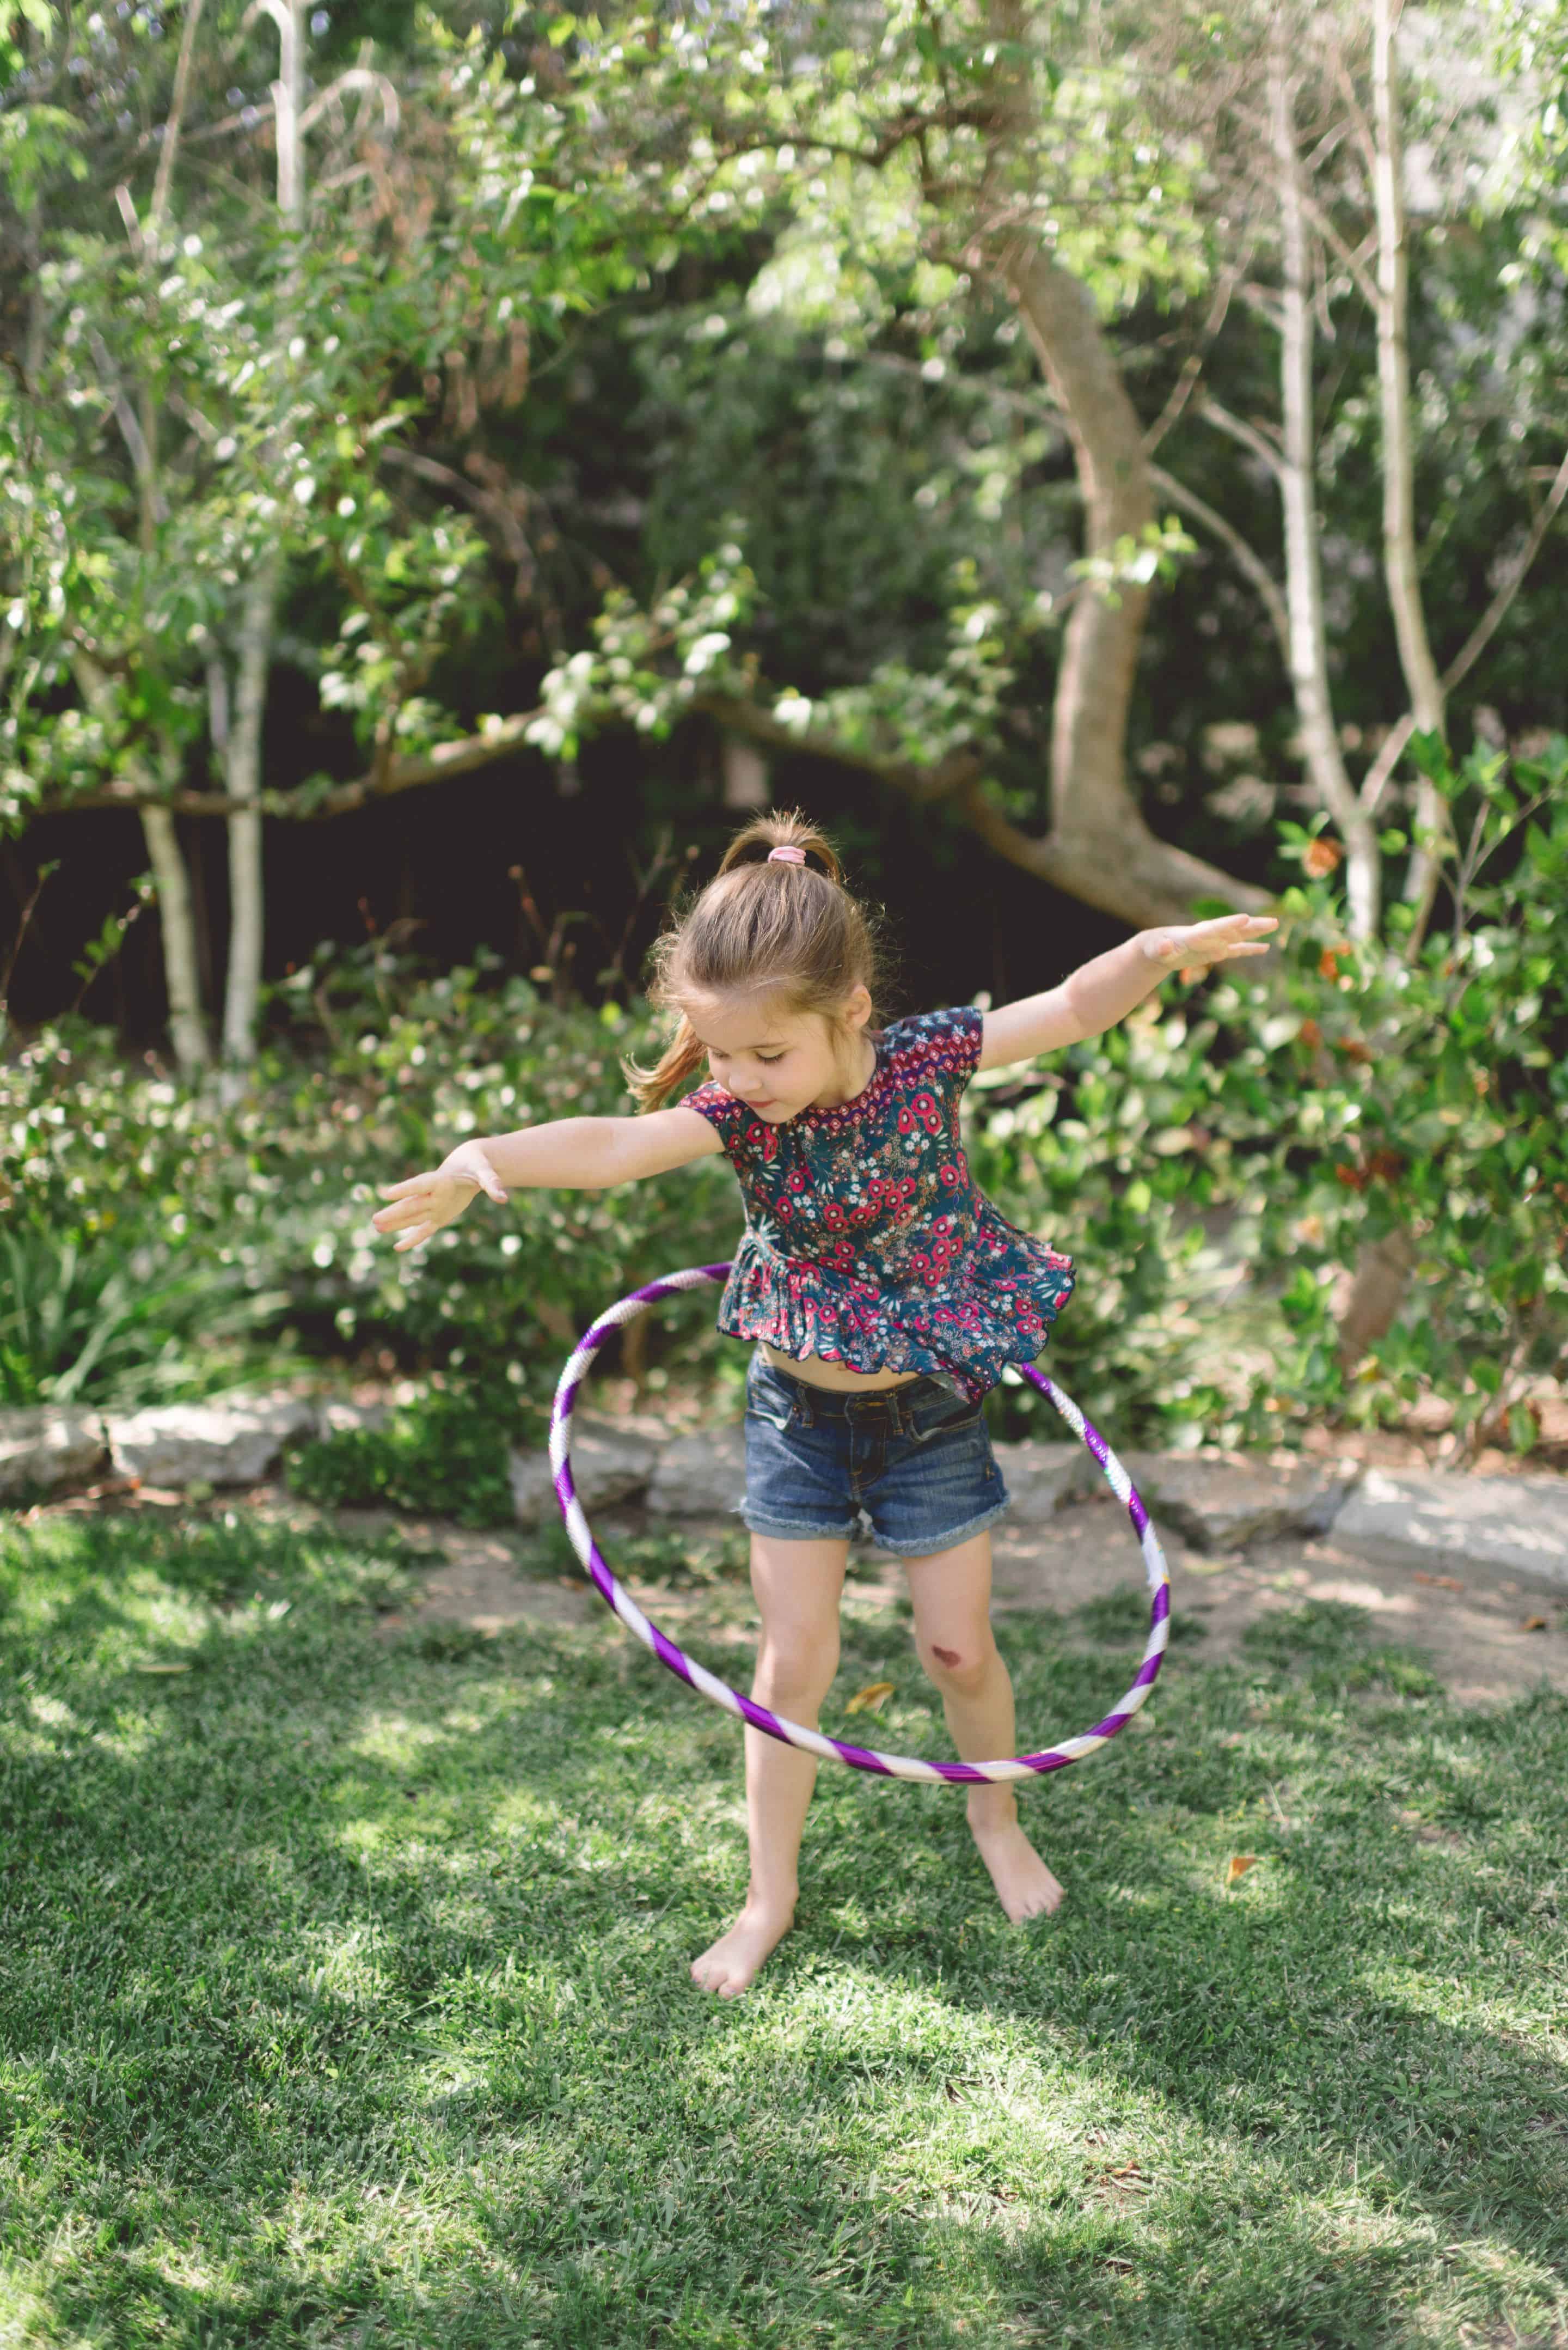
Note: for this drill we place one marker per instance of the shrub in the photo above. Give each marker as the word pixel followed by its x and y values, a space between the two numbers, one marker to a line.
pixel 83 1321
pixel 1297 1111
pixel 183 1229
pixel 445 1452
pixel 1215 1166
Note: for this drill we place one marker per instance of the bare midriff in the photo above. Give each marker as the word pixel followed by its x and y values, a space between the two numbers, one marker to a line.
pixel 818 1372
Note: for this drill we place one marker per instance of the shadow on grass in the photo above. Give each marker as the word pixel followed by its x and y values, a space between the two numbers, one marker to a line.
pixel 345 2001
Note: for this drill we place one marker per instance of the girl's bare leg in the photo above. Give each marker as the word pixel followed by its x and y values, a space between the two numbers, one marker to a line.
pixel 951 1596
pixel 797 1585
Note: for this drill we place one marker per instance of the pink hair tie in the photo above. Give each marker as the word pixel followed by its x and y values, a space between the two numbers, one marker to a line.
pixel 787 856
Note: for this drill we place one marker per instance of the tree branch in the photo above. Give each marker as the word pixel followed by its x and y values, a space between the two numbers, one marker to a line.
pixel 924 785
pixel 172 128
pixel 1247 434
pixel 1191 368
pixel 1365 284
pixel 1141 879
pixel 1376 779
pixel 405 774
pixel 1487 626
pixel 1247 560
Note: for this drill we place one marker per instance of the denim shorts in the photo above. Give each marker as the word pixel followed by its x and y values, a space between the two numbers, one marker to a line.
pixel 916 1458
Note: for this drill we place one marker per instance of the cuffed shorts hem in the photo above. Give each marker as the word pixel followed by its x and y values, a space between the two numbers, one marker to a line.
pixel 928 1546
pixel 932 1543
pixel 793 1529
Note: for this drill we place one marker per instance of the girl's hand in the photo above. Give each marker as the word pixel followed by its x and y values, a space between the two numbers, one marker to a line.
pixel 1194 946
pixel 425 1202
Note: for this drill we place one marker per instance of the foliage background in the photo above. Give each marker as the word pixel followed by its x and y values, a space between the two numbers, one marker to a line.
pixel 536 313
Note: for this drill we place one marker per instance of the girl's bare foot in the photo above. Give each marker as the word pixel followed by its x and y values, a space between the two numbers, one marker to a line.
pixel 729 1965
pixel 1025 1886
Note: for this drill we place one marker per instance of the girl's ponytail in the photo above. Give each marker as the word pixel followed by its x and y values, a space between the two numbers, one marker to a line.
pixel 681 1060
pixel 753 846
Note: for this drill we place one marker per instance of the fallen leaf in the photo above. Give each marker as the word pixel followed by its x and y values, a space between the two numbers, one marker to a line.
pixel 162 1668
pixel 1192 1564
pixel 871 1698
pixel 1238 1865
pixel 1440 1582
pixel 1536 1624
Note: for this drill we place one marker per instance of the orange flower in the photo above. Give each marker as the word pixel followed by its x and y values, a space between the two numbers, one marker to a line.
pixel 1321 856
pixel 1328 964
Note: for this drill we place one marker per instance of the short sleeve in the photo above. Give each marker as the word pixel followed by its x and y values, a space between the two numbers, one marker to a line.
pixel 729 1117
pixel 940 1049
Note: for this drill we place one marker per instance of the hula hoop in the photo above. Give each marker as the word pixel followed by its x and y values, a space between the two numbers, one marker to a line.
pixel 793 1733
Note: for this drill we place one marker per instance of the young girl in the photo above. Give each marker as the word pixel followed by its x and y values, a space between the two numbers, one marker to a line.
pixel 882 1292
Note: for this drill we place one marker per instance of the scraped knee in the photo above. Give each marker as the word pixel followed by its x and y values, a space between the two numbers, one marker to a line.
pixel 958 1672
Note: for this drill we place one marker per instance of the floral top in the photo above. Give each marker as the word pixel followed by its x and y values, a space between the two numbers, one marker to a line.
pixel 867 1240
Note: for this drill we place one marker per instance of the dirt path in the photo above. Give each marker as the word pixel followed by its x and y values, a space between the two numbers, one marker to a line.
pixel 1488 1638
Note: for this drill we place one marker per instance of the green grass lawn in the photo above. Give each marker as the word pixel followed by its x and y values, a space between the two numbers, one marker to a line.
pixel 343 1995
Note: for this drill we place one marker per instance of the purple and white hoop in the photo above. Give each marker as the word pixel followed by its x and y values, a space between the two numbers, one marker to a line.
pixel 834 1749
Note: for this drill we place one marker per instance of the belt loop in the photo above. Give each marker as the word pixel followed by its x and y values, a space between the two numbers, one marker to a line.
pixel 803 1402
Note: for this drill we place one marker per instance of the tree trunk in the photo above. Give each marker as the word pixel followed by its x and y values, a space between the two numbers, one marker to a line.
pixel 177 925
pixel 1308 645
pixel 246 900
pixel 1401 570
pixel 187 1028
pixel 1383 1270
pixel 1098 848
pixel 1384 1267
pixel 247 912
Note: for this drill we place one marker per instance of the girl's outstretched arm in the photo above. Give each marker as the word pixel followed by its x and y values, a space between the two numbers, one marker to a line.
pixel 1099 994
pixel 575 1154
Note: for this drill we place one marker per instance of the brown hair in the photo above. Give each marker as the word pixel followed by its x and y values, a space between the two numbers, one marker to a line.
pixel 759 927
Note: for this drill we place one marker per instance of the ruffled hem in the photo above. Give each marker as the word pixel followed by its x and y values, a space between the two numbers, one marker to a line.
pixel 967 1331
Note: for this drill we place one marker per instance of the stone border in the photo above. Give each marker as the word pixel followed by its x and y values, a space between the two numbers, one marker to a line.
pixel 235 1440
pixel 1422 1518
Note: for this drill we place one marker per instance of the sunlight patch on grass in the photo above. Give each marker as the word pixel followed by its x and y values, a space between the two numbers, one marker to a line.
pixel 342 1962
pixel 393 1739
pixel 1450 2000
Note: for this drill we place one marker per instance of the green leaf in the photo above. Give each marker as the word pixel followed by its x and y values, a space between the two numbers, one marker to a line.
pixel 1430 752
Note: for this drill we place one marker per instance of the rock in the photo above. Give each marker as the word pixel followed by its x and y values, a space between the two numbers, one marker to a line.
pixel 335 1416
pixel 1222 1505
pixel 42 1449
pixel 1041 1479
pixel 1432 1518
pixel 700 1476
pixel 609 1463
pixel 231 1440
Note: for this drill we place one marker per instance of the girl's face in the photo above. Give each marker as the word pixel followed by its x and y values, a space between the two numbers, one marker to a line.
pixel 780 1062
